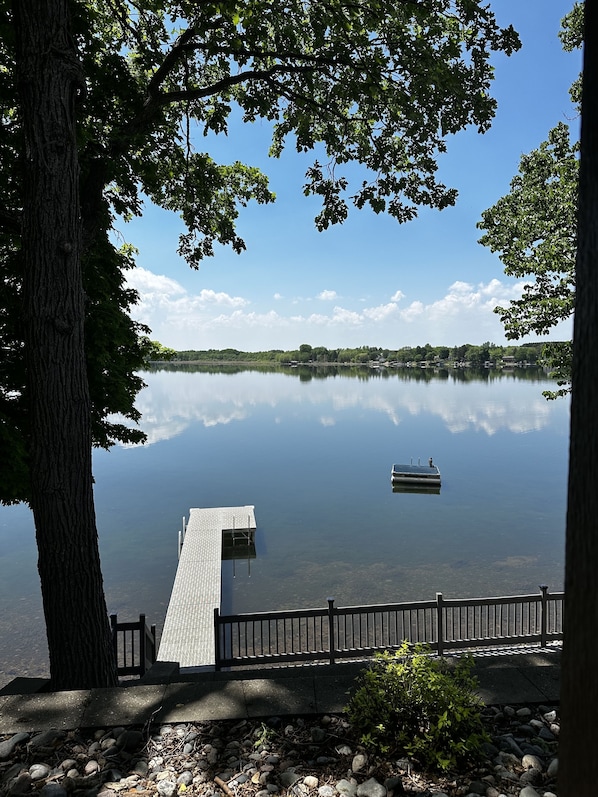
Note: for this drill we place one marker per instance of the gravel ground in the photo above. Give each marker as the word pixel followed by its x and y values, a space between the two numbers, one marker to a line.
pixel 295 756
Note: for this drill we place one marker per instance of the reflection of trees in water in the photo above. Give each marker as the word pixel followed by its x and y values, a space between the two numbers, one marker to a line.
pixel 307 372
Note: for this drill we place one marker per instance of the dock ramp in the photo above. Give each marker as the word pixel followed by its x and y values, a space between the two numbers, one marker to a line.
pixel 188 634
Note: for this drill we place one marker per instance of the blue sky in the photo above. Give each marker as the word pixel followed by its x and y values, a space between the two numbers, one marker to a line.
pixel 369 281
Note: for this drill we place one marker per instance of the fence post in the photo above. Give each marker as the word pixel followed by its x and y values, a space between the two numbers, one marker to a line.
pixel 216 639
pixel 113 625
pixel 142 645
pixel 331 640
pixel 544 618
pixel 440 623
pixel 153 643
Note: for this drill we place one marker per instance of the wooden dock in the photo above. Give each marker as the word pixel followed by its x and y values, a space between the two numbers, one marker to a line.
pixel 188 634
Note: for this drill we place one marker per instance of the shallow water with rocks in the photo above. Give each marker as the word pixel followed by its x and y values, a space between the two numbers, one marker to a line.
pixel 316 756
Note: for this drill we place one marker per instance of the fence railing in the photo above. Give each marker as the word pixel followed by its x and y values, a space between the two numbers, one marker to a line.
pixel 333 633
pixel 134 645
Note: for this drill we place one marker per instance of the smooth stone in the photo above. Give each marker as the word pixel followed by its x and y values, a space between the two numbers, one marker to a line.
pixel 91 767
pixel 546 734
pixel 553 768
pixel 371 788
pixel 130 740
pixel 185 778
pixel 8 747
pixel 39 771
pixel 532 762
pixel 478 787
pixel 532 776
pixel 346 788
pixel 49 738
pixel 318 735
pixel 289 778
pixel 311 782
pixel 166 788
pixel 524 712
pixel 359 761
pixel 52 790
pixel 528 791
pixel 22 784
pixel 326 791
pixel 394 784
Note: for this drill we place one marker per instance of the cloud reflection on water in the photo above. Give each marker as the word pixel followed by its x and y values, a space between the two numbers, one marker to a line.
pixel 173 401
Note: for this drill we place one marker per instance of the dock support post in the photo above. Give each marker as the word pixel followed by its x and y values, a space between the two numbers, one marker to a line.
pixel 544 618
pixel 331 639
pixel 440 623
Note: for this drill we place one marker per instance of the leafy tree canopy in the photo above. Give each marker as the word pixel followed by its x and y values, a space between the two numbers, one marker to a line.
pixel 380 83
pixel 533 228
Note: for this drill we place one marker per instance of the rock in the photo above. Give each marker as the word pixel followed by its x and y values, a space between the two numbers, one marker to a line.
pixel 166 788
pixel 347 788
pixel 311 782
pixel 318 735
pixel 52 790
pixel 50 738
pixel 524 712
pixel 359 762
pixel 528 791
pixel 371 788
pixel 531 776
pixel 344 750
pixel 553 768
pixel 532 761
pixel 91 767
pixel 394 785
pixel 21 785
pixel 39 771
pixel 130 740
pixel 8 747
pixel 185 778
pixel 478 787
pixel 327 791
pixel 288 778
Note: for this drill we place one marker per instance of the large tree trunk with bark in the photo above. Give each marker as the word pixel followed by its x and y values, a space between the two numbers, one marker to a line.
pixel 77 624
pixel 579 691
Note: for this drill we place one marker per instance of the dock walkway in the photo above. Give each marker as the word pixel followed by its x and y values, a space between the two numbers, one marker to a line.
pixel 188 635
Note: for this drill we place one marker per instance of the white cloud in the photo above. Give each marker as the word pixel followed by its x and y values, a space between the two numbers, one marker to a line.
pixel 152 285
pixel 327 296
pixel 215 319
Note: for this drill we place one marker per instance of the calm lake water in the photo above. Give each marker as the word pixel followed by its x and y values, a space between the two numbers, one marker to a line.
pixel 312 451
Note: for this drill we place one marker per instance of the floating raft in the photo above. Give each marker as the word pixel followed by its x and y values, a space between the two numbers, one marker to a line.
pixel 188 635
pixel 417 478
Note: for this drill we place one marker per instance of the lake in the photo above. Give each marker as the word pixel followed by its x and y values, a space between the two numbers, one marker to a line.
pixel 312 450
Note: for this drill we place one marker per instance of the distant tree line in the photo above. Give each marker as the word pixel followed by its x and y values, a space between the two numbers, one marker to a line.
pixel 530 353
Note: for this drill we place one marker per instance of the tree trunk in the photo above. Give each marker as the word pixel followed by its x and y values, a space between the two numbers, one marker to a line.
pixel 49 79
pixel 579 689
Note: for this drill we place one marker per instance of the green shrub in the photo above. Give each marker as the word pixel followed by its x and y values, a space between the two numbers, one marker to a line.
pixel 410 703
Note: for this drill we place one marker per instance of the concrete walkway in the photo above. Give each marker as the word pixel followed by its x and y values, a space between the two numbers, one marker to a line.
pixel 525 678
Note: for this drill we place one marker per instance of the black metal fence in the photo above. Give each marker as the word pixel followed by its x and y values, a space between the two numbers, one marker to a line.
pixel 134 645
pixel 333 633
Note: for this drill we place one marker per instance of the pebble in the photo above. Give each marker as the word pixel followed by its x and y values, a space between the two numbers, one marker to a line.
pixel 320 758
